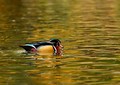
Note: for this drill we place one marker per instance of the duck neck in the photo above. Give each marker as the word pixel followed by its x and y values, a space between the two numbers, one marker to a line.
pixel 58 50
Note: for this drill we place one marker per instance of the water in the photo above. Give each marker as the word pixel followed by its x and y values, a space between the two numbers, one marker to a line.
pixel 88 29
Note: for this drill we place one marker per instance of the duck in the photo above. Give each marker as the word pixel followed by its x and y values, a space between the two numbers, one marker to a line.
pixel 51 47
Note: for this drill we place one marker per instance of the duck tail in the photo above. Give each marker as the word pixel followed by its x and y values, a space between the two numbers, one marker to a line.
pixel 28 49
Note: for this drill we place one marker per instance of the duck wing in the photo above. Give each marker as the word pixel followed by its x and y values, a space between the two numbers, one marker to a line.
pixel 37 44
pixel 32 47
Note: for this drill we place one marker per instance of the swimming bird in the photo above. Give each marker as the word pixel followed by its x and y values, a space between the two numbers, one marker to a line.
pixel 51 47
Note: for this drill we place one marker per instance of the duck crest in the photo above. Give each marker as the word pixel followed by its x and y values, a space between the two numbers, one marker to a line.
pixel 51 47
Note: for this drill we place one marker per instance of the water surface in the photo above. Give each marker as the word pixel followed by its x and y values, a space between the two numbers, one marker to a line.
pixel 88 29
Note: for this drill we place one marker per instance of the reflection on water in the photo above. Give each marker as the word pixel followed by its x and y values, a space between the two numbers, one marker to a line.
pixel 89 30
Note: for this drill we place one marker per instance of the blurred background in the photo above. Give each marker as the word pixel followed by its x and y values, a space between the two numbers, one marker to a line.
pixel 88 29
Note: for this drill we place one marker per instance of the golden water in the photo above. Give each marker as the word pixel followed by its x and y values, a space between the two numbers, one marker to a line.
pixel 88 29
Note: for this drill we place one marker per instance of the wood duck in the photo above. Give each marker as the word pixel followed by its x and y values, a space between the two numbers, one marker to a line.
pixel 51 47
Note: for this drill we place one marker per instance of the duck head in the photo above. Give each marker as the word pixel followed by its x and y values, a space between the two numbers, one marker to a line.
pixel 58 46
